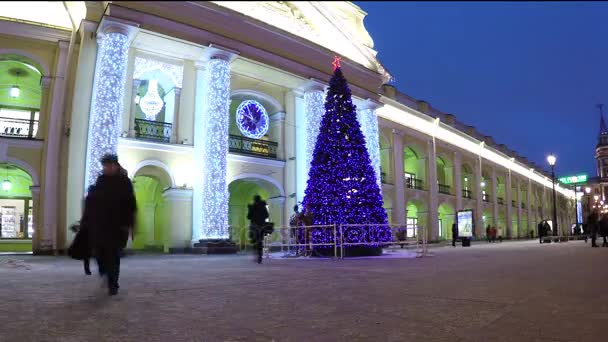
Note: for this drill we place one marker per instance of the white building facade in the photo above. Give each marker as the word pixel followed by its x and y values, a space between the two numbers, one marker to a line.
pixel 209 103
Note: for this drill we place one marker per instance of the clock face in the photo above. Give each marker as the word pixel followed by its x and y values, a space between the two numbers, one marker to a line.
pixel 252 119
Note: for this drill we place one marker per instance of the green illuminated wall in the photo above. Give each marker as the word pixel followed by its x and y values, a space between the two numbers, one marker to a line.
pixel 241 194
pixel 151 226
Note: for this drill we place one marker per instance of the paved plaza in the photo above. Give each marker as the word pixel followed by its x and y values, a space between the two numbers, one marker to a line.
pixel 513 291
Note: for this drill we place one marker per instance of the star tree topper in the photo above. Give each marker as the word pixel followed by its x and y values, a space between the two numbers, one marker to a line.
pixel 336 62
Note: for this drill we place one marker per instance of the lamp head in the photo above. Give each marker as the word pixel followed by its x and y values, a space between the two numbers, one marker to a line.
pixel 551 159
pixel 588 190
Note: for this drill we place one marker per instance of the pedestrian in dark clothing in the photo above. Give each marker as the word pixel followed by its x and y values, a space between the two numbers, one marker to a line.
pixel 81 246
pixel 541 231
pixel 604 229
pixel 592 222
pixel 257 214
pixel 488 233
pixel 454 234
pixel 115 217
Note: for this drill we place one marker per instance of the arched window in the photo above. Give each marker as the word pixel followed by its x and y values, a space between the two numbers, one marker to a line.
pixel 20 96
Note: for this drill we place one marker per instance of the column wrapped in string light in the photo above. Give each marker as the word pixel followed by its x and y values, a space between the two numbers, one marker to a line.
pixel 107 104
pixel 369 126
pixel 315 109
pixel 215 125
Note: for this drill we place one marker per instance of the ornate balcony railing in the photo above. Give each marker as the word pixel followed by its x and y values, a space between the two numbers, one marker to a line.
pixel 18 128
pixel 153 130
pixel 467 193
pixel 500 200
pixel 444 189
pixel 253 147
pixel 413 183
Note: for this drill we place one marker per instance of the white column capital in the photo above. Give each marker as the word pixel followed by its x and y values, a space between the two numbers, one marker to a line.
pixel 114 25
pixel 369 104
pixel 214 51
pixel 277 117
pixel 45 82
pixel 35 190
pixel 174 194
pixel 277 200
pixel 311 84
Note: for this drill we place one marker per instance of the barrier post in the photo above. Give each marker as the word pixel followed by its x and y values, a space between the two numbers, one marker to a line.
pixel 335 243
pixel 341 242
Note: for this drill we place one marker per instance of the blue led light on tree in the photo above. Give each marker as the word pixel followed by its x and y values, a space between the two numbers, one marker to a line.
pixel 252 119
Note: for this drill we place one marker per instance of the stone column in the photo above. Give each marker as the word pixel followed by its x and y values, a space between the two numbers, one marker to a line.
pixel 43 117
pixel 277 210
pixel 178 203
pixel 290 149
pixel 433 191
pixel 399 202
pixel 478 199
pixel 458 179
pixel 529 206
pixel 133 112
pixel 51 151
pixel 366 115
pixel 175 123
pixel 494 183
pixel 105 123
pixel 508 199
pixel 277 127
pixel 212 145
pixel 314 98
pixel 40 244
pixel 519 209
pixel 197 156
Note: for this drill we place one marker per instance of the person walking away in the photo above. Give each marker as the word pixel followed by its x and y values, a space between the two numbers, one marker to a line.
pixel 115 208
pixel 593 227
pixel 541 228
pixel 307 220
pixel 488 232
pixel 81 246
pixel 257 214
pixel 604 229
pixel 294 222
pixel 454 234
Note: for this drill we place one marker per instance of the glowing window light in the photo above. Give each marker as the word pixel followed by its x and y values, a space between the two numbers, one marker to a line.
pixel 6 185
pixel 151 104
pixel 15 91
pixel 107 104
pixel 215 125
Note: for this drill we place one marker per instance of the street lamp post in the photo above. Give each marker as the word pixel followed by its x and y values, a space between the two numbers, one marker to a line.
pixel 552 159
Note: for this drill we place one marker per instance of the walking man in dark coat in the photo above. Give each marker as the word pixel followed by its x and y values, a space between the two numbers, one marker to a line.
pixel 592 222
pixel 604 229
pixel 454 234
pixel 257 214
pixel 115 215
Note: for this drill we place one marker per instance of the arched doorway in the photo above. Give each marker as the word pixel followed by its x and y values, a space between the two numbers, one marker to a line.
pixel 16 209
pixel 416 216
pixel 446 218
pixel 241 192
pixel 152 225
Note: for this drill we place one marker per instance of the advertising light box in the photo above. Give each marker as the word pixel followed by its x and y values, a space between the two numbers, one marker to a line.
pixel 464 220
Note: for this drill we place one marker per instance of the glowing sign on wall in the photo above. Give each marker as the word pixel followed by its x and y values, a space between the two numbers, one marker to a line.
pixel 573 179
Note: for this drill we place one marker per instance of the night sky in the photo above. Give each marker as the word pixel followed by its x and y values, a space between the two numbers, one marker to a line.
pixel 528 74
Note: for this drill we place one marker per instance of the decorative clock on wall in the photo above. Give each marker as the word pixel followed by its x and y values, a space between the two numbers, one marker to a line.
pixel 252 119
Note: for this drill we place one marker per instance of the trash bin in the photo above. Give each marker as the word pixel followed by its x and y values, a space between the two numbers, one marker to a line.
pixel 466 242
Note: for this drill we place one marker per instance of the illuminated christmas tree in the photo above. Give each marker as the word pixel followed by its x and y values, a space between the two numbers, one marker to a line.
pixel 342 186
